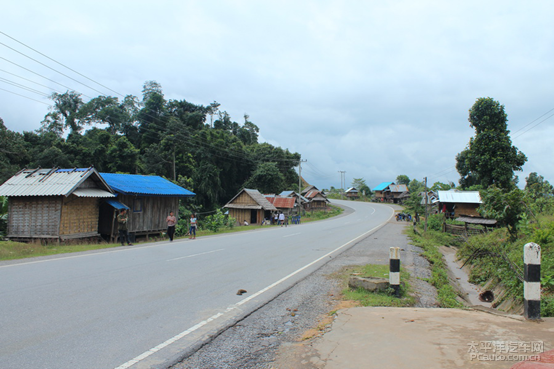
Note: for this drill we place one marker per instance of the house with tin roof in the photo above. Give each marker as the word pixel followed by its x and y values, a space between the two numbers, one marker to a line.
pixel 379 190
pixel 149 199
pixel 456 203
pixel 55 204
pixel 283 204
pixel 352 193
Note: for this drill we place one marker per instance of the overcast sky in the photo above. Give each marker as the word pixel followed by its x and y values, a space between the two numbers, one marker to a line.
pixel 372 88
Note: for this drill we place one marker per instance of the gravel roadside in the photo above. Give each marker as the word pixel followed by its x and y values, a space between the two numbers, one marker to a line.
pixel 271 337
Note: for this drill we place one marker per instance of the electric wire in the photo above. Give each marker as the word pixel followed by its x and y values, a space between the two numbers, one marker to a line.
pixel 27 97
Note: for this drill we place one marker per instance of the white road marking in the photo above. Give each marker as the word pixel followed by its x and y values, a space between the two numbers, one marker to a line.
pixel 290 235
pixel 174 339
pixel 191 256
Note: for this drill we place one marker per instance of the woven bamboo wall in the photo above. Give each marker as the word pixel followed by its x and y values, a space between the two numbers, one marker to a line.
pixel 466 209
pixel 79 215
pixel 34 216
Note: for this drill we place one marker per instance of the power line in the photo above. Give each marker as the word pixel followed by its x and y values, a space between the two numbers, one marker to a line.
pixel 55 70
pixel 63 65
pixel 27 97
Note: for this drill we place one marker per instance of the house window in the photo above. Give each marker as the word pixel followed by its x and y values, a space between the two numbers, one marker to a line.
pixel 137 205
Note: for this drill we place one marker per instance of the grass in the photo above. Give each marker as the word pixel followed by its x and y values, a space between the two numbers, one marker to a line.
pixel 430 242
pixel 367 298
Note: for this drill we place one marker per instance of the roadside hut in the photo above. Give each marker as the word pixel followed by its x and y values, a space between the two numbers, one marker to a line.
pixel 352 193
pixel 299 199
pixel 283 204
pixel 317 200
pixel 250 205
pixel 456 203
pixel 54 204
pixel 149 200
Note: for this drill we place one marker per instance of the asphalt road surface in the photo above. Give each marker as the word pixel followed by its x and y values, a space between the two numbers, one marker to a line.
pixel 144 306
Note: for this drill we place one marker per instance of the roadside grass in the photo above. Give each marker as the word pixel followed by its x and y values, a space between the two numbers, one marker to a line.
pixel 430 242
pixel 10 250
pixel 367 298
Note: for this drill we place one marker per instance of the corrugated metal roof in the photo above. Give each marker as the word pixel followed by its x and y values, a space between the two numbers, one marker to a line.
pixel 352 189
pixel 398 188
pixel 468 197
pixel 135 184
pixel 382 186
pixel 281 202
pixel 46 182
pixel 116 204
pixel 92 192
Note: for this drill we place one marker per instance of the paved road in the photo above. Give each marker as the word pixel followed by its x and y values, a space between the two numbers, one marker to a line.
pixel 144 306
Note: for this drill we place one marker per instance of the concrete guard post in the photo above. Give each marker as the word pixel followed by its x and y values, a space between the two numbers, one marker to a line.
pixel 532 281
pixel 394 270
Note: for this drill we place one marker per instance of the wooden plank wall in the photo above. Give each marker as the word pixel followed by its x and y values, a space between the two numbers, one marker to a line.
pixel 154 212
pixel 79 215
pixel 34 216
pixel 466 209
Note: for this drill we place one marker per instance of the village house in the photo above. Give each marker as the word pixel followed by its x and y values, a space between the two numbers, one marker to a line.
pixel 283 204
pixel 456 203
pixel 54 204
pixel 149 199
pixel 251 206
pixel 352 193
pixel 390 192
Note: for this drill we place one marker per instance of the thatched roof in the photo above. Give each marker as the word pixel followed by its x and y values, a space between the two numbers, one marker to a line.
pixel 261 201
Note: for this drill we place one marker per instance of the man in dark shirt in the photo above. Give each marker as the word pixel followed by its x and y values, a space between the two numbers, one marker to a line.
pixel 122 219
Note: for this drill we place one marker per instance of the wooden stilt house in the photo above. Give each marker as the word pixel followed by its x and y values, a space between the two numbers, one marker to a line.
pixel 54 204
pixel 250 205
pixel 149 199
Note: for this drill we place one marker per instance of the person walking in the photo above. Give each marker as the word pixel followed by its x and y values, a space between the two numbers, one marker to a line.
pixel 282 218
pixel 122 220
pixel 193 224
pixel 171 221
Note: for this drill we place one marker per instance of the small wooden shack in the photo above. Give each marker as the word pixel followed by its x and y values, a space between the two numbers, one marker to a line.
pixel 149 200
pixel 250 205
pixel 317 200
pixel 54 204
pixel 456 203
pixel 352 193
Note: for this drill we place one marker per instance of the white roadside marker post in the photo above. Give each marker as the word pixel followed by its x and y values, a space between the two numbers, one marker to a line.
pixel 394 270
pixel 532 281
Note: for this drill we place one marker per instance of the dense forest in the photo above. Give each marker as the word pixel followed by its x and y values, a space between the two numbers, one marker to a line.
pixel 198 147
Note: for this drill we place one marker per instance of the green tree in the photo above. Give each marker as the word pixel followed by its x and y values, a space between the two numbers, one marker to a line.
pixel 267 179
pixel 490 158
pixel 506 206
pixel 439 186
pixel 540 192
pixel 402 179
pixel 361 186
pixel 65 113
pixel 123 156
pixel 13 153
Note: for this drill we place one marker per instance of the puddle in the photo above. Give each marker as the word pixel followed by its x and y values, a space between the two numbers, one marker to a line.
pixel 470 289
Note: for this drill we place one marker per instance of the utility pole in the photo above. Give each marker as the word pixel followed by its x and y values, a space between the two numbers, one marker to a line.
pixel 300 177
pixel 342 180
pixel 426 202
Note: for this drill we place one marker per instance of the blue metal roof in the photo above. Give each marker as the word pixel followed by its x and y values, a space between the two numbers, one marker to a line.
pixel 382 186
pixel 134 184
pixel 116 204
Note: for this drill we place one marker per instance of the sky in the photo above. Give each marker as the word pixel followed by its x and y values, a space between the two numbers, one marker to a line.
pixel 374 89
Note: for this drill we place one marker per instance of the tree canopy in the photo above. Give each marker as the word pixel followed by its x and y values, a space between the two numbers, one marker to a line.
pixel 490 158
pixel 194 145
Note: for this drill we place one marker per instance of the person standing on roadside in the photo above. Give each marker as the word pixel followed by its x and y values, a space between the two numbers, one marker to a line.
pixel 171 221
pixel 282 218
pixel 193 224
pixel 122 220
